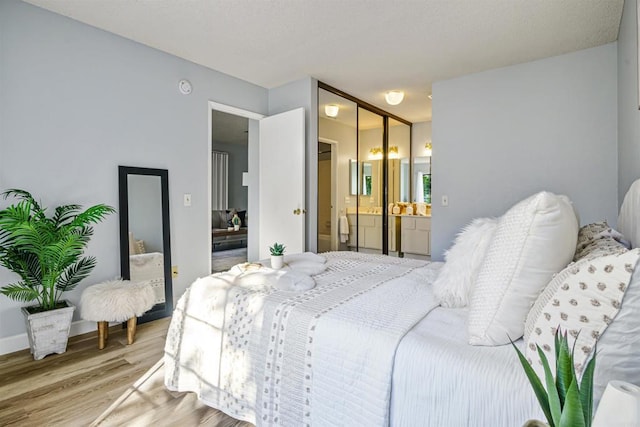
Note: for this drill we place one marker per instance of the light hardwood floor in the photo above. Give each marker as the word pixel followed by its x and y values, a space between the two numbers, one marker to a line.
pixel 118 386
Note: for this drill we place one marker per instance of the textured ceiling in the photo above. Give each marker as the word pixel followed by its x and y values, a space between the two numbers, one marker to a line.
pixel 364 47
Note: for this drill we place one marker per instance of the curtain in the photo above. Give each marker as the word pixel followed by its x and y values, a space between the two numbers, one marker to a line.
pixel 220 178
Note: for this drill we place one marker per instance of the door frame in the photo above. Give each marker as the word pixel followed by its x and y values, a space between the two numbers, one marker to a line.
pixel 334 190
pixel 252 189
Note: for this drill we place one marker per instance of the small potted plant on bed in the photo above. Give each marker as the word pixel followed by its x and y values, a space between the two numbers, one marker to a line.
pixel 46 253
pixel 567 401
pixel 277 256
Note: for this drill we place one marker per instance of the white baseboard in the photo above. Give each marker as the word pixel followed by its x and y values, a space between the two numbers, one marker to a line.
pixel 21 341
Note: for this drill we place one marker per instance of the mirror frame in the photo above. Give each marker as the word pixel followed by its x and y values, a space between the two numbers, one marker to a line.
pixel 159 310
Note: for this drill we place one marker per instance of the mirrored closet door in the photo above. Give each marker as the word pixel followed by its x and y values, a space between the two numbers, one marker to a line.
pixel 364 170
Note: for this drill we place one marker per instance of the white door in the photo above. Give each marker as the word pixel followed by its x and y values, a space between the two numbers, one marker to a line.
pixel 282 186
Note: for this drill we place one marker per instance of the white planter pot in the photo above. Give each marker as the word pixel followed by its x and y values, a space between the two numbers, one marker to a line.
pixel 236 227
pixel 48 331
pixel 277 261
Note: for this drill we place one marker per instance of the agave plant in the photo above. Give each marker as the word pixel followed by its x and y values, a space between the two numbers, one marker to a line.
pixel 277 249
pixel 46 252
pixel 567 401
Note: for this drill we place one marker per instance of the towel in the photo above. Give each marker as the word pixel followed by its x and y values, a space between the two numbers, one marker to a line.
pixel 343 227
pixel 253 276
pixel 307 263
pixel 292 280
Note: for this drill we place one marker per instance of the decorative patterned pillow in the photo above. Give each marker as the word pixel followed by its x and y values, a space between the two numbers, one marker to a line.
pixel 591 233
pixel 139 247
pixel 583 299
pixel 603 246
pixel 457 276
pixel 534 239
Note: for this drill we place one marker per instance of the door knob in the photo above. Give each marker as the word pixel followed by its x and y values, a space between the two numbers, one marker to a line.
pixel 296 211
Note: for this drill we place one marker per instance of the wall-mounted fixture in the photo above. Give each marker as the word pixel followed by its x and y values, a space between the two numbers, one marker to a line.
pixel 245 179
pixel 427 149
pixel 184 86
pixel 331 110
pixel 376 152
pixel 394 97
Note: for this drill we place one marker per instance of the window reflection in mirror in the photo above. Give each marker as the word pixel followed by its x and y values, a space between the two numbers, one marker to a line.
pixel 353 177
pixel 366 179
pixel 422 177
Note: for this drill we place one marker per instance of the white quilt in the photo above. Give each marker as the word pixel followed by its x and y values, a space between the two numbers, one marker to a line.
pixel 321 357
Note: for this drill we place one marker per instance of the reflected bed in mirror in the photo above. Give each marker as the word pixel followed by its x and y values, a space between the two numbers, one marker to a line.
pixel 145 248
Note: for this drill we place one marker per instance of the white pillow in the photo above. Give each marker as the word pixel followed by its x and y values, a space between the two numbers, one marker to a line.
pixel 594 302
pixel 457 276
pixel 534 239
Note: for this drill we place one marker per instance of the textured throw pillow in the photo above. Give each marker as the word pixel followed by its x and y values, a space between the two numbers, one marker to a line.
pixel 583 300
pixel 459 273
pixel 139 247
pixel 603 246
pixel 591 233
pixel 534 239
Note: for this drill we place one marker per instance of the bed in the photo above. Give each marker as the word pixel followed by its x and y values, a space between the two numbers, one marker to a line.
pixel 370 342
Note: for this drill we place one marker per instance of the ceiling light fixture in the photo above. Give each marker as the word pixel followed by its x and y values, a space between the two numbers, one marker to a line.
pixel 394 97
pixel 331 110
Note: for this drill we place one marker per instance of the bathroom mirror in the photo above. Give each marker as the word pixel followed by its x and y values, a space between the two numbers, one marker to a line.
pixel 145 247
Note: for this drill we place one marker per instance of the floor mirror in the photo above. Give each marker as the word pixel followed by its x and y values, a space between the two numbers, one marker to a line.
pixel 145 246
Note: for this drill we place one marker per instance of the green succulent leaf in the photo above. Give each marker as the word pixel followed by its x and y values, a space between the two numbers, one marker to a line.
pixel 572 414
pixel 537 386
pixel 564 368
pixel 552 392
pixel 277 249
pixel 586 390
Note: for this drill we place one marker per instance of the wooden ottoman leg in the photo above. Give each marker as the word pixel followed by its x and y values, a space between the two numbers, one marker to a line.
pixel 103 331
pixel 131 329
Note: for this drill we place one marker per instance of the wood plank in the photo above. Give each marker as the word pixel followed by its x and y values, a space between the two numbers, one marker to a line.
pixel 120 385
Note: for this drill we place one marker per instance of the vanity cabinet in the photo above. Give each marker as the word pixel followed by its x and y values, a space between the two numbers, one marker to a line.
pixel 369 230
pixel 416 235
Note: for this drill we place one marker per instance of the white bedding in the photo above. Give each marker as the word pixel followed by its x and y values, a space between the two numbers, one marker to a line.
pixel 376 352
pixel 441 380
pixel 250 351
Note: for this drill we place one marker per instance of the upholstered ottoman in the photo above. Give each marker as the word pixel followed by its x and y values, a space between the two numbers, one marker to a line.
pixel 116 301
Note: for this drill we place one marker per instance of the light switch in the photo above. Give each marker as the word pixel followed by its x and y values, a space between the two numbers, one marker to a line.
pixel 187 199
pixel 445 200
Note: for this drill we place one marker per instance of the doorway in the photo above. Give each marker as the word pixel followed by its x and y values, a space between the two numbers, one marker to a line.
pixel 327 193
pixel 232 137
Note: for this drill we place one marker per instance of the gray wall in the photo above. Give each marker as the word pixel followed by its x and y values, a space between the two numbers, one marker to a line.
pixel 238 163
pixel 76 102
pixel 628 114
pixel 501 135
pixel 304 93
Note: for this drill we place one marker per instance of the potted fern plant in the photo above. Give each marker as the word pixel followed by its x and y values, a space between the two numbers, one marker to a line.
pixel 47 255
pixel 567 400
pixel 277 255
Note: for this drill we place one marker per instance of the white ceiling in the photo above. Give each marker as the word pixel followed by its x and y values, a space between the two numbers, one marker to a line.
pixel 364 47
